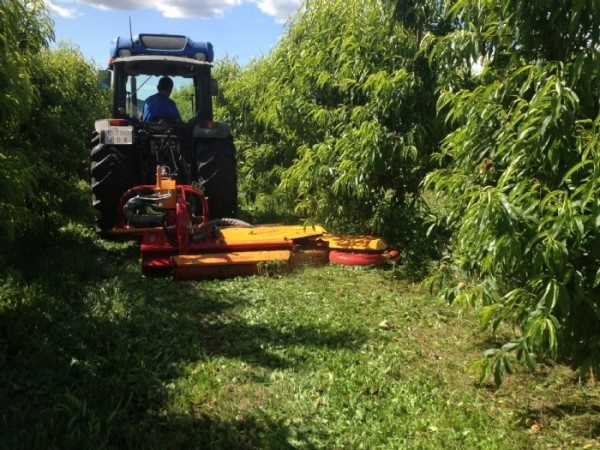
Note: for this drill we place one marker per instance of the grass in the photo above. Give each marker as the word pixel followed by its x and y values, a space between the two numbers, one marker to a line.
pixel 92 355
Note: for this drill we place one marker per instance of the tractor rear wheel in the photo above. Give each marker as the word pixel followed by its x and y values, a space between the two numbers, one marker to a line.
pixel 113 171
pixel 217 175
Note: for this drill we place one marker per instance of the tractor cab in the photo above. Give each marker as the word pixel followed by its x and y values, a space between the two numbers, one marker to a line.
pixel 137 64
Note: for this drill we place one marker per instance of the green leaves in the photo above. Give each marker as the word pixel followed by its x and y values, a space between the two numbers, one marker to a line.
pixel 522 176
pixel 337 125
pixel 338 121
pixel 48 102
pixel 70 100
pixel 24 31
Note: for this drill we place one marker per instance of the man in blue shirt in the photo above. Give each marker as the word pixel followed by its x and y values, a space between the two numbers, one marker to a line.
pixel 159 105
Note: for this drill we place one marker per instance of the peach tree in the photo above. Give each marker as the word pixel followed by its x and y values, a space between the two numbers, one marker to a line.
pixel 520 174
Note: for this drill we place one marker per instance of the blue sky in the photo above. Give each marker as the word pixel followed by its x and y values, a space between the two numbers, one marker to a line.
pixel 240 29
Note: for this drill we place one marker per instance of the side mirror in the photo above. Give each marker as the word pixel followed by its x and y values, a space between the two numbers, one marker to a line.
pixel 104 78
pixel 214 87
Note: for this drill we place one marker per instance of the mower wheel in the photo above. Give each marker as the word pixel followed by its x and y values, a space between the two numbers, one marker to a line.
pixel 357 259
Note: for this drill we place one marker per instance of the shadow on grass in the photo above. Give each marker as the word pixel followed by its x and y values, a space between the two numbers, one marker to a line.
pixel 584 418
pixel 89 350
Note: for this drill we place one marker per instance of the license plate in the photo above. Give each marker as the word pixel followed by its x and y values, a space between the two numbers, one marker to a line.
pixel 118 135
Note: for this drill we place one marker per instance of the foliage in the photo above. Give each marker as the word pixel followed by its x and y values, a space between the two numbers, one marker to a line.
pixel 521 176
pixel 48 101
pixel 337 122
pixel 92 355
pixel 59 129
pixel 182 96
pixel 24 31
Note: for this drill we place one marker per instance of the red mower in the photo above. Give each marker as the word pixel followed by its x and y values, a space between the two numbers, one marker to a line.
pixel 173 185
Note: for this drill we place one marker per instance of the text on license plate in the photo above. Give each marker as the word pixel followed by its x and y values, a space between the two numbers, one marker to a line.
pixel 118 135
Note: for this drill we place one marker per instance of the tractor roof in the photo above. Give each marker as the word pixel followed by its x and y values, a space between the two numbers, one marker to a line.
pixel 161 45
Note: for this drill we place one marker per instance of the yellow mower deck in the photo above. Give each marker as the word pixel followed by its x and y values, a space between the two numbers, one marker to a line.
pixel 316 235
pixel 308 245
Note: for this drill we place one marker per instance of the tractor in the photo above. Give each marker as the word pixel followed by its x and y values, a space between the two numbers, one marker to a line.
pixel 172 185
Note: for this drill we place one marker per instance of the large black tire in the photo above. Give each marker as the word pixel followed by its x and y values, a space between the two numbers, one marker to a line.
pixel 217 174
pixel 113 173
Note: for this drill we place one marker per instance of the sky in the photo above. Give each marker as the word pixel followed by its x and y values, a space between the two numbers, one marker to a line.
pixel 243 30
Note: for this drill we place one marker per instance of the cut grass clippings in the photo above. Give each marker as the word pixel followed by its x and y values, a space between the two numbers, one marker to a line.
pixel 93 355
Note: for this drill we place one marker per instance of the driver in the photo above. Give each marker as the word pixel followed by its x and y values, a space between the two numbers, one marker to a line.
pixel 160 105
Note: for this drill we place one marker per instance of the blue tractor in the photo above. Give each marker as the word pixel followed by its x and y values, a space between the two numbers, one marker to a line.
pixel 127 151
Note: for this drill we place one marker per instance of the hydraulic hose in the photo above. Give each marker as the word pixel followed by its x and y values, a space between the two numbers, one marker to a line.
pixel 132 206
pixel 206 227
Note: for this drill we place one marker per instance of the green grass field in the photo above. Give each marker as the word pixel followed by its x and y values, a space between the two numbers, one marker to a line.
pixel 93 355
